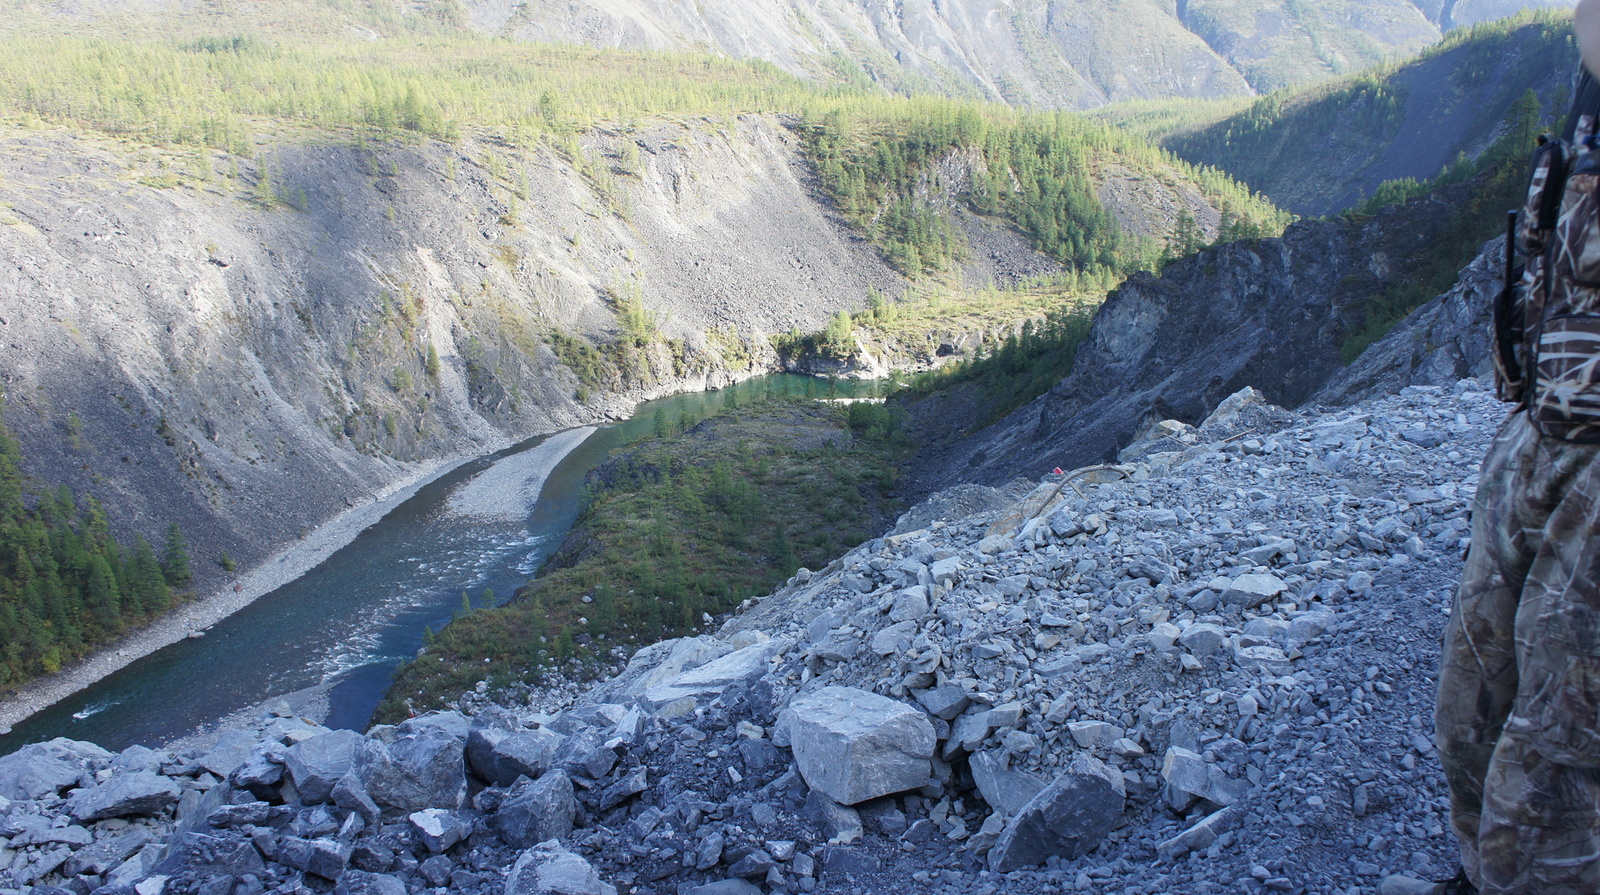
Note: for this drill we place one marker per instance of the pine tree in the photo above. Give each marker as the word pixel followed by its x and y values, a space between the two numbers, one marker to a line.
pixel 144 572
pixel 175 559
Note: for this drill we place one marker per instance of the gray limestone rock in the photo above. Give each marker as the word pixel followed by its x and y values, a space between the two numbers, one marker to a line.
pixel 1201 835
pixel 231 750
pixel 1252 590
pixel 550 869
pixel 107 853
pixel 1204 639
pixel 40 770
pixel 855 745
pixel 727 887
pixel 123 795
pixel 1306 627
pixel 361 882
pixel 1189 777
pixel 894 639
pixel 438 829
pixel 910 604
pixel 712 678
pixel 421 768
pixel 1067 818
pixel 536 811
pixel 945 702
pixel 1265 658
pixel 1093 734
pixel 316 764
pixel 351 794
pixel 1006 789
pixel 326 858
pixel 838 824
pixel 204 854
pixel 501 756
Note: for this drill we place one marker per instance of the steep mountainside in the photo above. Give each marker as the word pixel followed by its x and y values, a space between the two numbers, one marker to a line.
pixel 1070 54
pixel 1055 53
pixel 188 354
pixel 1269 313
pixel 247 346
pixel 1325 148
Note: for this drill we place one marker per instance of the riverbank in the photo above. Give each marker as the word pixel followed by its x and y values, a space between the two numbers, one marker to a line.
pixel 196 616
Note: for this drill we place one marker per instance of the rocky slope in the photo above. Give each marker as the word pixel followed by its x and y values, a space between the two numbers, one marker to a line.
pixel 1070 54
pixel 1323 149
pixel 1206 669
pixel 186 354
pixel 1268 313
pixel 248 347
pixel 1053 54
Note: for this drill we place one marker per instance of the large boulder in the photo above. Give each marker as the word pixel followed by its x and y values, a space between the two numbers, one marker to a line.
pixel 659 663
pixel 1066 818
pixel 41 770
pixel 1006 789
pixel 231 750
pixel 855 745
pixel 360 882
pixel 712 678
pixel 123 795
pixel 316 764
pixel 423 767
pixel 549 869
pixel 212 854
pixel 537 811
pixel 326 858
pixel 501 756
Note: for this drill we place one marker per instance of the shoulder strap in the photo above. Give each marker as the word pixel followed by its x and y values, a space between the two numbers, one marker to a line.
pixel 1585 109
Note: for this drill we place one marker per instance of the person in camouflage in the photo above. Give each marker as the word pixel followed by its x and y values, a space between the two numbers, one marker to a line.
pixel 1517 720
pixel 1519 683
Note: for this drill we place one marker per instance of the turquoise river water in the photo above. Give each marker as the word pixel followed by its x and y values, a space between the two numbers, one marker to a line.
pixel 487 525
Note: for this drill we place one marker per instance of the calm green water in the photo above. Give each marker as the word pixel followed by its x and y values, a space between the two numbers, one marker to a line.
pixel 486 525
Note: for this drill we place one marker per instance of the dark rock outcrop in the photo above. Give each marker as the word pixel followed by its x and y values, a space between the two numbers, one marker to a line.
pixel 1268 313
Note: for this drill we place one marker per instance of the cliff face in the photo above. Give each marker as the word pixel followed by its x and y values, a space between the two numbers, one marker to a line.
pixel 1327 148
pixel 1268 313
pixel 185 353
pixel 248 346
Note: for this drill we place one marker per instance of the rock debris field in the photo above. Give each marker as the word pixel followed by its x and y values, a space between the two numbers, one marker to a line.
pixel 1206 668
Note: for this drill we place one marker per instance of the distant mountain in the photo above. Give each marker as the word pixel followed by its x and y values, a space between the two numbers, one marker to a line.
pixel 1074 54
pixel 1059 54
pixel 1322 149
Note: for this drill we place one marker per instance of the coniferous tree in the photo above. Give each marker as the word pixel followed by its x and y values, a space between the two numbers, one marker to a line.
pixel 175 559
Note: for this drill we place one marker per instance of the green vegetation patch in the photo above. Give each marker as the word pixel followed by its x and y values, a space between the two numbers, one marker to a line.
pixel 674 528
pixel 1481 191
pixel 891 165
pixel 1025 364
pixel 219 91
pixel 1307 147
pixel 66 585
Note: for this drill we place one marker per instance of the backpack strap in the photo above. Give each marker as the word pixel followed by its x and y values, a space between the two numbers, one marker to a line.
pixel 1520 306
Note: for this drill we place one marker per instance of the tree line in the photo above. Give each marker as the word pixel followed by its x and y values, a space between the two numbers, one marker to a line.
pixel 893 164
pixel 66 584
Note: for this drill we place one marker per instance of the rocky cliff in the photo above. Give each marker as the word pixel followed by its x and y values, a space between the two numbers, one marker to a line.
pixel 1325 148
pixel 1268 313
pixel 249 346
pixel 191 344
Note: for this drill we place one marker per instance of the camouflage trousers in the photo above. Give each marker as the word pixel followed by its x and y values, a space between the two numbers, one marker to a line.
pixel 1518 711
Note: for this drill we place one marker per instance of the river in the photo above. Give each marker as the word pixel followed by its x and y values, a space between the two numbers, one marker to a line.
pixel 482 530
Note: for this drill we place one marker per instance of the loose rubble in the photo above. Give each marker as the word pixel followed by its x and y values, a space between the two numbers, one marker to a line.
pixel 1207 668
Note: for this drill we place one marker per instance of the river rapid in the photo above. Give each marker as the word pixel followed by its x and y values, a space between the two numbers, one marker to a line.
pixel 474 534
